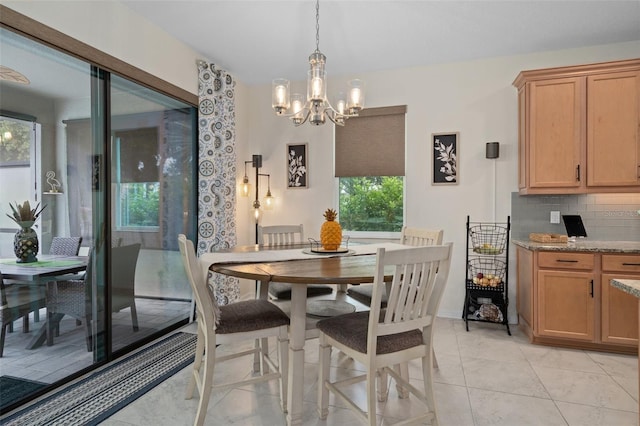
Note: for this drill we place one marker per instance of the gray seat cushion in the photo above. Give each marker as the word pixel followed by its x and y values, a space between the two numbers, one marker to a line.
pixel 351 330
pixel 250 315
pixel 363 293
pixel 283 290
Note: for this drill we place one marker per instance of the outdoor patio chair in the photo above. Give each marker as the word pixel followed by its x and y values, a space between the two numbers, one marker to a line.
pixel 18 302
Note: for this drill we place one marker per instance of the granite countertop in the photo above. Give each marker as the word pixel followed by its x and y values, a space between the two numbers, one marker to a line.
pixel 584 245
pixel 628 286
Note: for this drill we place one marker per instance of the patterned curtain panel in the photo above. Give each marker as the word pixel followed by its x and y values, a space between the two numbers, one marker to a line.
pixel 217 171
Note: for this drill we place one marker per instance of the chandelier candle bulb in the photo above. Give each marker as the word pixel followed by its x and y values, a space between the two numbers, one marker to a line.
pixel 341 104
pixel 280 101
pixel 316 85
pixel 356 96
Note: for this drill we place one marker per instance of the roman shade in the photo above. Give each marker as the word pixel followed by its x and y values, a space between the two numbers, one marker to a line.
pixel 371 144
pixel 138 155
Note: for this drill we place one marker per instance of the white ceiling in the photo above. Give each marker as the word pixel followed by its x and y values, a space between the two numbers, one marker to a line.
pixel 261 40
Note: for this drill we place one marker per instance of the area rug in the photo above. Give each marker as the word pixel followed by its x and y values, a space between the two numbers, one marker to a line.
pixel 103 393
pixel 15 388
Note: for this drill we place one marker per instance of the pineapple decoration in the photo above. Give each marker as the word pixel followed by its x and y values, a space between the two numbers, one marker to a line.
pixel 25 242
pixel 331 231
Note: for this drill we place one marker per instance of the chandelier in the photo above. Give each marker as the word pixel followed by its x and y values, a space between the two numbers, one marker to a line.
pixel 316 107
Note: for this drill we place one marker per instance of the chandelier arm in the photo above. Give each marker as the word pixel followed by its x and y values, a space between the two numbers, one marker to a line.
pixel 306 117
pixel 334 119
pixel 337 113
pixel 304 110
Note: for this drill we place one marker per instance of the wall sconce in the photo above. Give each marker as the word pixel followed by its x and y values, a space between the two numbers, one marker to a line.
pixel 245 186
pixel 268 199
pixel 245 189
pixel 492 150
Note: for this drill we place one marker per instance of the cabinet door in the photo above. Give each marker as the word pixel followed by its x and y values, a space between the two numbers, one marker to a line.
pixel 566 304
pixel 613 143
pixel 556 113
pixel 619 312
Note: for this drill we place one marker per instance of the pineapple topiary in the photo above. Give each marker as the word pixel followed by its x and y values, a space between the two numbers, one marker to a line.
pixel 23 213
pixel 331 231
pixel 25 242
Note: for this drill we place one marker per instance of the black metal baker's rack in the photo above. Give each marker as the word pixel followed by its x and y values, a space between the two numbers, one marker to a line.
pixel 487 278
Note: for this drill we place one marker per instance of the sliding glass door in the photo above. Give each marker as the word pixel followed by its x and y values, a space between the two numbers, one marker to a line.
pixel 113 161
pixel 151 196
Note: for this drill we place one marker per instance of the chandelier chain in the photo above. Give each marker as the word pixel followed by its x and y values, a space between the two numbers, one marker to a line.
pixel 317 25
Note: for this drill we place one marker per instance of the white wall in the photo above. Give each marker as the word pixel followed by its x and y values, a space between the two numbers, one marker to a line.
pixel 474 98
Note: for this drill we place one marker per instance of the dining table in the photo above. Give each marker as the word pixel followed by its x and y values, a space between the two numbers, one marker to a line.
pixel 298 265
pixel 48 269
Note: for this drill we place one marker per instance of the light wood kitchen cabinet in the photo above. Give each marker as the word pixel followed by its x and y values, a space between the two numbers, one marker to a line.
pixel 579 129
pixel 613 143
pixel 555 133
pixel 619 309
pixel 566 295
pixel 565 299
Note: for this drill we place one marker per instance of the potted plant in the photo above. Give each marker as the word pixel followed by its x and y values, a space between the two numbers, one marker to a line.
pixel 25 242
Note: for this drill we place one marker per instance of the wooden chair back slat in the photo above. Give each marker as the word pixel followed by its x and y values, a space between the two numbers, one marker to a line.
pixel 419 277
pixel 280 234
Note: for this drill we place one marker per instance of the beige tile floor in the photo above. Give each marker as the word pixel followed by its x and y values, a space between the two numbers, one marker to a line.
pixel 485 377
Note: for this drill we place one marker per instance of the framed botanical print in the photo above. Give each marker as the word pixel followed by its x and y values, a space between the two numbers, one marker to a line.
pixel 445 158
pixel 298 169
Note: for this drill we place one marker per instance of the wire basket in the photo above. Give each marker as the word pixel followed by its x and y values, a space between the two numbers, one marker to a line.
pixel 488 238
pixel 486 273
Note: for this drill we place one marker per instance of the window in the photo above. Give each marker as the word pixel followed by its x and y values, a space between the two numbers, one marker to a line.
pixel 369 162
pixel 15 142
pixel 139 204
pixel 138 188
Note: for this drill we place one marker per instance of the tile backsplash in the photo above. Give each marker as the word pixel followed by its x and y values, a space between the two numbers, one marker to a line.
pixel 606 217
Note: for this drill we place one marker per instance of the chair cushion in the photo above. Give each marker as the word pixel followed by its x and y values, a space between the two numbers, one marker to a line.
pixel 250 315
pixel 363 293
pixel 283 290
pixel 351 330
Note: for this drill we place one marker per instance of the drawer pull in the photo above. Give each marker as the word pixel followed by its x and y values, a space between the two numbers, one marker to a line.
pixel 567 261
pixel 630 264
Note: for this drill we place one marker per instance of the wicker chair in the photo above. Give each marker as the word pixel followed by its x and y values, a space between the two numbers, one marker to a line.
pixel 123 277
pixel 62 246
pixel 18 302
pixel 70 297
pixel 73 297
pixel 65 246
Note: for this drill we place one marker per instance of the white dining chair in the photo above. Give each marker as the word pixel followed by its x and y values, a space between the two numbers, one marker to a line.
pixel 240 321
pixel 410 236
pixel 382 338
pixel 279 235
